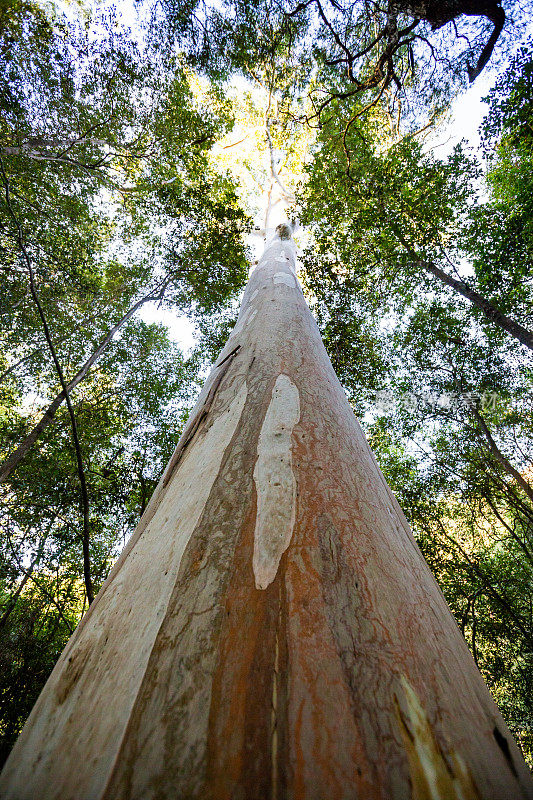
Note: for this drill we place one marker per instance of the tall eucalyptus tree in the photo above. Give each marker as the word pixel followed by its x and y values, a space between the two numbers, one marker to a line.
pixel 271 629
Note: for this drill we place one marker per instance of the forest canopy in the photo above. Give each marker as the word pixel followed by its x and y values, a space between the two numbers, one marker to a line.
pixel 137 158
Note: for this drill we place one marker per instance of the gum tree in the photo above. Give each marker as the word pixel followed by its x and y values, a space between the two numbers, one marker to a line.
pixel 271 629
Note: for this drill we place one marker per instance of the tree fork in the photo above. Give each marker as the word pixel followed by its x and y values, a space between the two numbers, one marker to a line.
pixel 271 630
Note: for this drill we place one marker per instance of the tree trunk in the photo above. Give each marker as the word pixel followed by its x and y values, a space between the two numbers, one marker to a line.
pixel 271 630
pixel 12 462
pixel 492 313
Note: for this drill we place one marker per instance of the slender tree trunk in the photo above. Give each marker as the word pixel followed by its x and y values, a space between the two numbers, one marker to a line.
pixel 492 313
pixel 499 456
pixel 18 455
pixel 496 316
pixel 271 630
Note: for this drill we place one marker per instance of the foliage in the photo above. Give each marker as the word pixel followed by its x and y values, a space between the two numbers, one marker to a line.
pixel 410 56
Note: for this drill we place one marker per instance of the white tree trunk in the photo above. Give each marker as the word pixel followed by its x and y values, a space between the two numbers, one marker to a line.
pixel 271 630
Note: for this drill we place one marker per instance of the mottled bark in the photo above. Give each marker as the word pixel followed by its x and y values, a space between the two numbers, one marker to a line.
pixel 271 630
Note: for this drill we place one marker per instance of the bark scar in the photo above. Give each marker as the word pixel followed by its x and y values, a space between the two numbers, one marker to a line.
pixel 275 482
pixel 433 777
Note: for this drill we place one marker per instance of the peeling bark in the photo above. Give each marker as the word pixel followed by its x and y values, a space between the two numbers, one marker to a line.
pixel 343 676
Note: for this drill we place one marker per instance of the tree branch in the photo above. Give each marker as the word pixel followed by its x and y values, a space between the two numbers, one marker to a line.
pixel 75 438
pixel 492 313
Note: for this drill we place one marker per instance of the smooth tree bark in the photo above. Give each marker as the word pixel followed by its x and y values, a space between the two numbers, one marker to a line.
pixel 271 630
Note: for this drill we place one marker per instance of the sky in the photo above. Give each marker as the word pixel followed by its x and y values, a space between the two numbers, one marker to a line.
pixel 467 114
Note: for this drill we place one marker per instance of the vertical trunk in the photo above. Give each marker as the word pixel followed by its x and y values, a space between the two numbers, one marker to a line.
pixel 271 630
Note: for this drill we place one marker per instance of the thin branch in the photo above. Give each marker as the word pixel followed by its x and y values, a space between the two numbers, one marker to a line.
pixel 499 456
pixel 75 438
pixel 27 575
pixel 12 461
pixel 41 588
